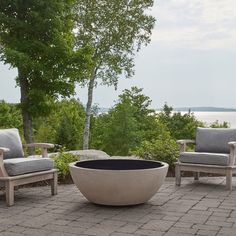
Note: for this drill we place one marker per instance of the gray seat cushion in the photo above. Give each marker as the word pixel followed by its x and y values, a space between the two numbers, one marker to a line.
pixel 214 139
pixel 10 138
pixel 204 158
pixel 20 166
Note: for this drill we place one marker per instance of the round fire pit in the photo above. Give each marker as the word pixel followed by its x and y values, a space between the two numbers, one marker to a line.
pixel 118 182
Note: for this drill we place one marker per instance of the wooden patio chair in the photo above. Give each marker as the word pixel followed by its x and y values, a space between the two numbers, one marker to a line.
pixel 215 152
pixel 15 169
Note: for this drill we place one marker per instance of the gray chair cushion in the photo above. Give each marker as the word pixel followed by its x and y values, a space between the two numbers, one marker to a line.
pixel 20 166
pixel 10 138
pixel 214 139
pixel 204 158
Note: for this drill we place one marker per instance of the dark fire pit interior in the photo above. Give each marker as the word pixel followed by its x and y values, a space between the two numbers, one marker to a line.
pixel 119 164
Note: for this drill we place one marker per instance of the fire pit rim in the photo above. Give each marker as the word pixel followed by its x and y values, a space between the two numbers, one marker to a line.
pixel 163 165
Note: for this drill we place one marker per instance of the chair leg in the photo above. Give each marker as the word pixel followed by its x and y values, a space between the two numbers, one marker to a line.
pixel 54 184
pixel 177 175
pixel 229 180
pixel 9 193
pixel 196 175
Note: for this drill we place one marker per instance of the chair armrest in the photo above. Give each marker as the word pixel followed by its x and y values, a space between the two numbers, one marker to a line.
pixel 43 146
pixel 232 154
pixel 232 144
pixel 3 172
pixel 186 141
pixel 183 143
pixel 40 145
pixel 3 149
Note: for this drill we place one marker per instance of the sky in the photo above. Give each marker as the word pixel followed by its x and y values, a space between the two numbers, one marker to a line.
pixel 190 62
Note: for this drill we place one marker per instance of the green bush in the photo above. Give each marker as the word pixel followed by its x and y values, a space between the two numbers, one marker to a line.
pixel 63 125
pixel 180 126
pixel 62 161
pixel 161 149
pixel 10 116
pixel 217 124
pixel 126 125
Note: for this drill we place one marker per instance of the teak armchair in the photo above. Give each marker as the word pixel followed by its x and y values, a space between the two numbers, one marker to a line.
pixel 15 169
pixel 215 152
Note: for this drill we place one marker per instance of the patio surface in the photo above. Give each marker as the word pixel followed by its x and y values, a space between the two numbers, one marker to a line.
pixel 195 208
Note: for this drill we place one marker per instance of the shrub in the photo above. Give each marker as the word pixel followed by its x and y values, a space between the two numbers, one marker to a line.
pixel 217 124
pixel 180 126
pixel 161 149
pixel 62 161
pixel 10 116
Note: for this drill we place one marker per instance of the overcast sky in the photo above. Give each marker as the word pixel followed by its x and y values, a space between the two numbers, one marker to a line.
pixel 191 60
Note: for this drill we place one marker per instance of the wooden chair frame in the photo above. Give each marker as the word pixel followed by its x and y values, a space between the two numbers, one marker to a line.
pixel 228 171
pixel 12 181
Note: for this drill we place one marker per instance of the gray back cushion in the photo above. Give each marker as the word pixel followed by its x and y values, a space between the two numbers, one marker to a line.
pixel 214 139
pixel 10 138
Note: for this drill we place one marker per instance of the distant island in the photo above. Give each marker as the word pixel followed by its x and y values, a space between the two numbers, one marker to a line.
pixel 186 109
pixel 205 109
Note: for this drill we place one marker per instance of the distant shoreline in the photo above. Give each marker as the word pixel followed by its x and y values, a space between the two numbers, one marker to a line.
pixel 175 109
pixel 187 109
pixel 204 109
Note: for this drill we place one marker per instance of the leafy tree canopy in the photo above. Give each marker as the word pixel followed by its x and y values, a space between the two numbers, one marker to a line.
pixel 36 37
pixel 115 29
pixel 181 126
pixel 126 124
pixel 10 116
pixel 63 126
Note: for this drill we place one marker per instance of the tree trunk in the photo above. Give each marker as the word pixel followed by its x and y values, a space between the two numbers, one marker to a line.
pixel 88 111
pixel 27 120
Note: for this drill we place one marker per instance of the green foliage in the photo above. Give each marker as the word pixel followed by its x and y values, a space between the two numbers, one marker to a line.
pixel 115 29
pixel 217 124
pixel 162 148
pixel 62 161
pixel 180 126
pixel 10 116
pixel 70 128
pixel 126 125
pixel 63 126
pixel 119 132
pixel 36 37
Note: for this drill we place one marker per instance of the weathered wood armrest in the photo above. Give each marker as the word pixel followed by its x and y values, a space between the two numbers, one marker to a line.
pixel 3 149
pixel 43 146
pixel 232 154
pixel 232 144
pixel 183 143
pixel 3 172
pixel 40 145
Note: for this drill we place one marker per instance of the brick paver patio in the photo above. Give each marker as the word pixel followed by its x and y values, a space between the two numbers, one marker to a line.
pixel 203 208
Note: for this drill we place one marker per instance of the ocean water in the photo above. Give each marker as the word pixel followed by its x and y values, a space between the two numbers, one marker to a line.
pixel 210 117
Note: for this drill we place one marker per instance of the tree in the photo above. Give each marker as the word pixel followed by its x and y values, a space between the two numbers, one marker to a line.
pixel 161 148
pixel 115 29
pixel 63 126
pixel 36 37
pixel 10 116
pixel 69 132
pixel 126 125
pixel 180 126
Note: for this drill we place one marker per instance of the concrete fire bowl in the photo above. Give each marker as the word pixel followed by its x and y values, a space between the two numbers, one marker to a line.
pixel 118 182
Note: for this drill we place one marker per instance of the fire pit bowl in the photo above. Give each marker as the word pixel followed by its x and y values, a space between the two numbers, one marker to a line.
pixel 118 182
